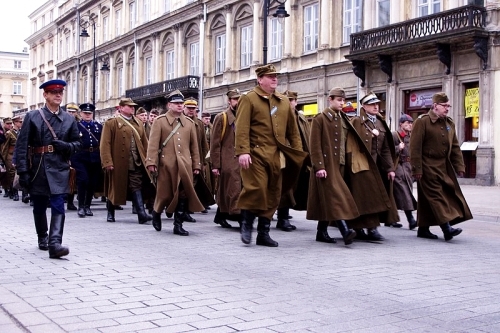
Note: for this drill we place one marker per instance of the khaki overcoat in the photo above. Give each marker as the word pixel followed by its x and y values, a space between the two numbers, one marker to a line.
pixel 115 151
pixel 176 163
pixel 403 183
pixel 224 158
pixel 435 154
pixel 264 123
pixel 8 154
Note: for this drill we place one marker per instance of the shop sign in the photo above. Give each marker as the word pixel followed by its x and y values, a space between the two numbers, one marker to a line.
pixel 310 109
pixel 421 99
pixel 471 102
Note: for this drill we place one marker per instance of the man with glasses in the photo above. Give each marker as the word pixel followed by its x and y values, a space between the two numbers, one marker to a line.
pixel 436 159
pixel 48 138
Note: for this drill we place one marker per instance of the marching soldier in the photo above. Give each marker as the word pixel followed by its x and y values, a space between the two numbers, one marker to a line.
pixel 7 126
pixel 173 157
pixel 72 109
pixel 87 162
pixel 207 167
pixel 8 153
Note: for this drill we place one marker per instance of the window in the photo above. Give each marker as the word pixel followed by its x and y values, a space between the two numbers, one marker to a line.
pixel 51 16
pixel 352 18
pixel 148 72
pixel 68 52
pixel 220 53
pixel 132 74
pixel 118 29
pixel 34 26
pixel 147 11
pixel 246 46
pixel 120 81
pixel 43 21
pixel 17 88
pixel 383 12
pixel 311 28
pixel 51 50
pixel 42 54
pixel 166 5
pixel 194 59
pixel 105 28
pixel 133 15
pixel 170 65
pixel 428 7
pixel 17 64
pixel 96 88
pixel 107 85
pixel 86 89
pixel 276 39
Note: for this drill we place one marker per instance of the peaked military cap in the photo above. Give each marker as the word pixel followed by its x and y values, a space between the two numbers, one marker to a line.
pixel 291 94
pixel 175 97
pixel 127 101
pixel 87 107
pixel 190 102
pixel 265 70
pixel 370 98
pixel 53 85
pixel 233 93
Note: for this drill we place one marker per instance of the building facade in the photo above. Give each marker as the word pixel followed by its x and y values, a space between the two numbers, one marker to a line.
pixel 403 50
pixel 13 82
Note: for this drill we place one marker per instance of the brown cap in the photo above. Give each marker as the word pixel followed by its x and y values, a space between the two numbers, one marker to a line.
pixel 440 97
pixel 72 107
pixel 127 101
pixel 233 93
pixel 7 120
pixel 291 94
pixel 154 111
pixel 337 92
pixel 265 70
pixel 190 102
pixel 205 114
pixel 370 98
pixel 141 110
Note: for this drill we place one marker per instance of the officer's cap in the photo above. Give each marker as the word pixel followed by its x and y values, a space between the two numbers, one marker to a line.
pixel 87 108
pixel 190 102
pixel 175 97
pixel 233 93
pixel 50 85
pixel 370 98
pixel 266 70
pixel 127 101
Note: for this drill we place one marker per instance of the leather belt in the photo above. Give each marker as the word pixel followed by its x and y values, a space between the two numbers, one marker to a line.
pixel 43 149
pixel 91 149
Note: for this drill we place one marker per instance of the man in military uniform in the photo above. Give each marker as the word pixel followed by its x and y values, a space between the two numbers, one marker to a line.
pixel 403 182
pixel 8 153
pixel 72 109
pixel 123 154
pixel 225 165
pixel 48 138
pixel 435 157
pixel 268 147
pixel 87 162
pixel 173 157
pixel 7 126
pixel 207 170
pixel 377 137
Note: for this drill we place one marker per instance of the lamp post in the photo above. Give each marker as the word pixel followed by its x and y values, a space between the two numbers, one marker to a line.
pixel 280 13
pixel 90 21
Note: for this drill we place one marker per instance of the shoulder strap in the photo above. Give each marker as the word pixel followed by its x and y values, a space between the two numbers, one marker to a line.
pixel 224 125
pixel 48 125
pixel 135 131
pixel 169 137
pixel 85 128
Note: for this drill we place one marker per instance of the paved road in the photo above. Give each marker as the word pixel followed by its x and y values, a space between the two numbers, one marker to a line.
pixel 126 277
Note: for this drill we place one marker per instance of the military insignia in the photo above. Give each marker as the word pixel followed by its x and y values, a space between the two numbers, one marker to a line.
pixel 375 132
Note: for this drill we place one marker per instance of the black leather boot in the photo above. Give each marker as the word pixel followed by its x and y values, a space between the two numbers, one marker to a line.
pixel 394 225
pixel 412 224
pixel 111 211
pixel 424 232
pixel 88 202
pixel 81 204
pixel 71 205
pixel 247 226
pixel 142 216
pixel 7 193
pixel 157 221
pixel 11 193
pixel 449 232
pixel 185 217
pixel 374 235
pixel 221 219
pixel 361 235
pixel 283 221
pixel 25 197
pixel 347 234
pixel 56 250
pixel 15 194
pixel 178 229
pixel 41 230
pixel 263 237
pixel 322 233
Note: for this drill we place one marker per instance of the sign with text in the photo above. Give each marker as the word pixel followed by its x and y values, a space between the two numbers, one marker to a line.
pixel 310 109
pixel 471 102
pixel 421 98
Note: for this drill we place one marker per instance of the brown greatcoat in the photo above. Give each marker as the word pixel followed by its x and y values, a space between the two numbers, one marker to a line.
pixel 264 136
pixel 7 155
pixel 403 183
pixel 435 154
pixel 115 151
pixel 175 165
pixel 381 148
pixel 200 185
pixel 224 158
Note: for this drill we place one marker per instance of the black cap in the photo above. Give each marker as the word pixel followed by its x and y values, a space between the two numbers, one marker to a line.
pixel 87 107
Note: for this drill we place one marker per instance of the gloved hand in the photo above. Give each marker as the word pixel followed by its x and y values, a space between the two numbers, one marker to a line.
pixel 24 180
pixel 62 147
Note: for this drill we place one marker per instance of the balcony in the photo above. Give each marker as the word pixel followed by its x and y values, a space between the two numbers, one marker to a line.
pixel 188 85
pixel 451 26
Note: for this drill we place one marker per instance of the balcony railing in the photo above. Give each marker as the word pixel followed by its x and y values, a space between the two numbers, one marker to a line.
pixel 450 23
pixel 189 84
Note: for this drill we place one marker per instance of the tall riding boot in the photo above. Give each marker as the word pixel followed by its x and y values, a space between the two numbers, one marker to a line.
pixel 25 197
pixel 322 233
pixel 142 216
pixel 71 205
pixel 157 221
pixel 81 203
pixel 220 218
pixel 41 230
pixel 56 250
pixel 424 232
pixel 247 226
pixel 263 238
pixel 15 194
pixel 449 232
pixel 7 193
pixel 11 193
pixel 412 224
pixel 178 229
pixel 111 211
pixel 347 234
pixel 88 202
pixel 283 221
pixel 185 217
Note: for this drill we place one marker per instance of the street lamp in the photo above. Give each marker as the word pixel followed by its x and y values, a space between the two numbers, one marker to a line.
pixel 85 22
pixel 280 13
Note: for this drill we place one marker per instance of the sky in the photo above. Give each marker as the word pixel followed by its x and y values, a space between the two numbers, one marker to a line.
pixel 15 24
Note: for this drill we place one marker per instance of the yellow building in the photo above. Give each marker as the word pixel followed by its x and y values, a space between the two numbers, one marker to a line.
pixel 13 82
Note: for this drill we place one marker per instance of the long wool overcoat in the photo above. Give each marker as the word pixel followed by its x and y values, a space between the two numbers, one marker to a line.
pixel 175 163
pixel 435 154
pixel 403 183
pixel 264 123
pixel 115 144
pixel 224 158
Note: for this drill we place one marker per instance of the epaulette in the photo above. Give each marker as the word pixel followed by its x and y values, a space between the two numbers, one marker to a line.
pixel 450 120
pixel 162 116
pixel 191 120
pixel 423 115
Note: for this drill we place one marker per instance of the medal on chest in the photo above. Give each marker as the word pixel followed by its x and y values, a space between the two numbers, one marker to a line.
pixel 375 132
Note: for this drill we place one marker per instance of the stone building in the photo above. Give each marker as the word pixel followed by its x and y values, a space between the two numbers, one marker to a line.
pixel 13 82
pixel 403 50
